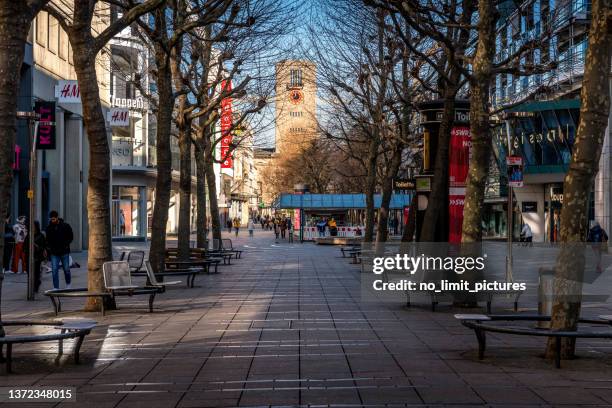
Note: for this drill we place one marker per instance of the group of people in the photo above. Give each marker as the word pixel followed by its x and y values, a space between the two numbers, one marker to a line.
pixel 52 245
pixel 325 224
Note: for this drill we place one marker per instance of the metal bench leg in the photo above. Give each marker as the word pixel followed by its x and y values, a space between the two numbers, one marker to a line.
pixel 151 299
pixel 558 352
pixel 482 342
pixel 54 304
pixel 2 359
pixel 489 306
pixel 77 348
pixel 59 305
pixel 60 345
pixel 102 305
pixel 9 358
pixel 407 300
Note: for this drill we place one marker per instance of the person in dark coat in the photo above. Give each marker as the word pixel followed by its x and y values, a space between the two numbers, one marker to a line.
pixel 9 243
pixel 40 253
pixel 59 237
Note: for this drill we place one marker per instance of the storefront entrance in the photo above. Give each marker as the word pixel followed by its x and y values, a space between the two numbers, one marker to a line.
pixel 127 212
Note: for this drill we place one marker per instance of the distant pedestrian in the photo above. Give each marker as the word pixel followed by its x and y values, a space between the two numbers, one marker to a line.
pixel 290 229
pixel 229 224
pixel 283 228
pixel 9 243
pixel 527 235
pixel 599 242
pixel 21 232
pixel 236 226
pixel 251 227
pixel 121 222
pixel 263 223
pixel 59 237
pixel 40 253
pixel 276 229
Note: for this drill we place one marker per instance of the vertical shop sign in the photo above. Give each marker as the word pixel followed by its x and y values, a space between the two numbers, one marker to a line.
pixel 45 138
pixel 226 127
pixel 459 162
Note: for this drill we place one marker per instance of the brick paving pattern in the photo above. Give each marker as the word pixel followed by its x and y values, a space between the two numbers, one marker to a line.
pixel 286 326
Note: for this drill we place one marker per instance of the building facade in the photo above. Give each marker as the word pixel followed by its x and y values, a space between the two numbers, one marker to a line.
pixel 62 171
pixel 541 113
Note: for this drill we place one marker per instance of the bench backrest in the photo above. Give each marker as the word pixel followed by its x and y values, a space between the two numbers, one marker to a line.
pixel 117 274
pixel 151 273
pixel 217 244
pixel 135 259
pixel 227 244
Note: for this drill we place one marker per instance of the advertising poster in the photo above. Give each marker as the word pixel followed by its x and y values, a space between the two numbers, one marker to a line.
pixel 45 138
pixel 459 161
pixel 515 171
pixel 226 127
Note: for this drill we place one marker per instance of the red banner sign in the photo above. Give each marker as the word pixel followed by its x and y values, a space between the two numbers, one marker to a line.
pixel 459 162
pixel 226 127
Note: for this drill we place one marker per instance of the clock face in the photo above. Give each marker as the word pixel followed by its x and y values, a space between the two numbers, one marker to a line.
pixel 296 96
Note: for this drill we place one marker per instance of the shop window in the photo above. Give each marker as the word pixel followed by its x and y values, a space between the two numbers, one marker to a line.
pixel 126 211
pixel 63 44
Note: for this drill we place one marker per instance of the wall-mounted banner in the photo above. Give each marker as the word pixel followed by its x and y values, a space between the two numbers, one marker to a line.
pixel 119 117
pixel 515 171
pixel 226 127
pixel 16 160
pixel 45 138
pixel 68 91
pixel 459 162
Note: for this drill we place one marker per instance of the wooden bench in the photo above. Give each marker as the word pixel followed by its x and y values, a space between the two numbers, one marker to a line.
pixel 73 329
pixel 483 323
pixel 56 296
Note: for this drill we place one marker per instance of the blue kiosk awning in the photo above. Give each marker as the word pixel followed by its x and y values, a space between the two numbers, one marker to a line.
pixel 287 201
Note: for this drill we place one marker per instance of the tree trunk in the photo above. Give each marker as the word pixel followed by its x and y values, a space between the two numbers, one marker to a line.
pixel 387 190
pixel 370 186
pixel 480 83
pixel 15 22
pixel 201 227
pixel 163 183
pixel 212 187
pixel 435 219
pixel 98 191
pixel 594 111
pixel 184 230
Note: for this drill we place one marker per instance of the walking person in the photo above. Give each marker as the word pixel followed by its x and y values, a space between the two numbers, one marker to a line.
pixel 251 227
pixel 21 232
pixel 40 253
pixel 9 243
pixel 276 229
pixel 263 223
pixel 236 226
pixel 527 235
pixel 59 237
pixel 290 229
pixel 599 242
pixel 228 224
pixel 121 222
pixel 283 228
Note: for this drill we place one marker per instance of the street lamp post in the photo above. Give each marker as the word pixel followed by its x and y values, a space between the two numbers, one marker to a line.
pixel 509 261
pixel 32 118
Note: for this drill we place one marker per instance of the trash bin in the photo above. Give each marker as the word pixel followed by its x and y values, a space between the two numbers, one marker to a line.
pixel 545 294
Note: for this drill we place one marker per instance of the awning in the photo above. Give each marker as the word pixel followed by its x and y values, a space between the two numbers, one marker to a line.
pixel 539 106
pixel 336 201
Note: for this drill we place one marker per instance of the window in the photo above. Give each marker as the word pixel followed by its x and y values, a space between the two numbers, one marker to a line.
pixel 296 77
pixel 41 28
pixel 53 35
pixel 63 44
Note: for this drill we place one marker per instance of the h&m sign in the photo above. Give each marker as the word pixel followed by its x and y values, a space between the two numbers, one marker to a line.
pixel 119 117
pixel 45 137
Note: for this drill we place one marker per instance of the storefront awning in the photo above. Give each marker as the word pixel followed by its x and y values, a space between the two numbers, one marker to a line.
pixel 539 106
pixel 336 201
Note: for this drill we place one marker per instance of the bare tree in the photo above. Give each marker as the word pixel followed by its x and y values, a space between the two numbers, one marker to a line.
pixel 15 20
pixel 594 111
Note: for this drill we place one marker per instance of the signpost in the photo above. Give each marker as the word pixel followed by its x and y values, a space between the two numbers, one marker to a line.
pixel 42 136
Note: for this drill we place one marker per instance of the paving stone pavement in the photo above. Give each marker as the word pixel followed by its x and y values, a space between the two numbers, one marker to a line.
pixel 286 326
